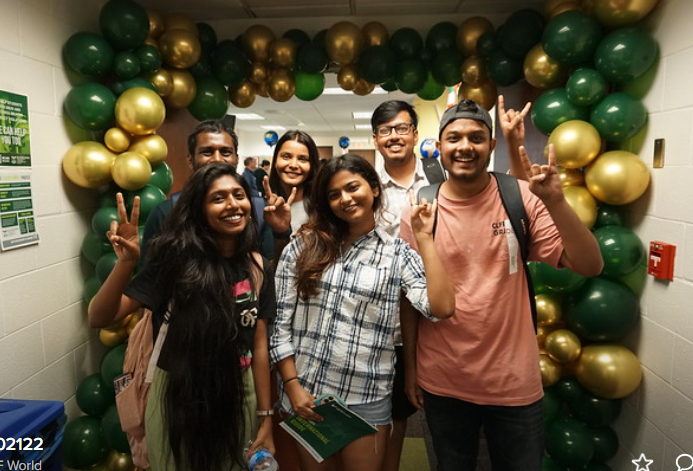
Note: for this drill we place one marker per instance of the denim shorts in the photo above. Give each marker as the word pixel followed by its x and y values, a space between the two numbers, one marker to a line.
pixel 375 413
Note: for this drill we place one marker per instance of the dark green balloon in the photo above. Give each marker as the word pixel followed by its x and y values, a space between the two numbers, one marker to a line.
pixel 92 397
pixel 298 36
pixel 622 250
pixel 91 287
pixel 605 443
pixel 446 67
pixel 549 464
pixel 126 65
pixel 635 281
pixel 319 37
pixel 594 411
pixel 94 247
pixel 406 43
pixel 619 116
pixel 572 37
pixel 608 215
pixel 91 106
pixel 552 406
pixel 135 82
pixel 487 44
pixel 162 177
pixel 569 442
pixel 312 58
pixel 89 54
pixel 431 89
pixel 539 286
pixel 112 431
pixel 376 64
pixel 523 29
pixel 104 265
pixel 112 366
pixel 203 67
pixel 502 69
pixel 602 310
pixel 308 86
pixel 101 220
pixel 124 24
pixel 568 389
pixel 150 58
pixel 410 75
pixel 441 36
pixel 211 100
pixel 585 87
pixel 83 443
pixel 208 37
pixel 596 467
pixel 553 108
pixel 560 280
pixel 229 64
pixel 625 54
pixel 150 197
pixel 389 85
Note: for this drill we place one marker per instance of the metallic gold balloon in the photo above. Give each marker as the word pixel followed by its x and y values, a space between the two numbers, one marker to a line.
pixel 583 203
pixel 102 466
pixel 474 71
pixel 111 338
pixel 257 41
pixel 469 32
pixel 244 95
pixel 152 42
pixel 162 81
pixel 571 177
pixel 140 111
pixel 608 371
pixel 363 88
pixel 134 318
pixel 576 143
pixel 541 71
pixel 564 6
pixel 343 42
pixel 375 34
pixel 259 72
pixel 117 461
pixel 615 14
pixel 156 24
pixel 542 332
pixel 549 310
pixel 180 48
pixel 153 147
pixel 485 93
pixel 550 370
pixel 283 52
pixel 88 164
pixel 183 89
pixel 347 77
pixel 617 177
pixel 117 140
pixel 261 89
pixel 131 171
pixel 179 21
pixel 563 346
pixel 281 85
pixel 116 326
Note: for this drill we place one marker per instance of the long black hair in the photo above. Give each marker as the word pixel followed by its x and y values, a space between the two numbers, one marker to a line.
pixel 313 157
pixel 203 396
pixel 324 232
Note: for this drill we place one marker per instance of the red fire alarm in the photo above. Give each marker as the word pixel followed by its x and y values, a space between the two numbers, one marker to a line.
pixel 661 261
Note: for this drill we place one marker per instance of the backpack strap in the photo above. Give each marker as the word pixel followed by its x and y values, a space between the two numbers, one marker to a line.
pixel 430 192
pixel 433 170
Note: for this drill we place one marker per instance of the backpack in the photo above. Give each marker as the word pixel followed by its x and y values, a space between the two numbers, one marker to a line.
pixel 509 191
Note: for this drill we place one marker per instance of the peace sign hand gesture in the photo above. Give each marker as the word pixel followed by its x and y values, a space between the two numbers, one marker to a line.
pixel 277 212
pixel 123 236
pixel 543 179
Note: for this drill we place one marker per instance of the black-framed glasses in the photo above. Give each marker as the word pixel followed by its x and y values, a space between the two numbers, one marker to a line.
pixel 401 128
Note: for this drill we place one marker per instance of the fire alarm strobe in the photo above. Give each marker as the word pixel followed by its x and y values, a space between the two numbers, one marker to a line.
pixel 661 261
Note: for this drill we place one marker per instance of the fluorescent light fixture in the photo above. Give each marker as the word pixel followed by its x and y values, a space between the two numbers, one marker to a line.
pixel 362 114
pixel 341 91
pixel 362 126
pixel 248 117
pixel 274 128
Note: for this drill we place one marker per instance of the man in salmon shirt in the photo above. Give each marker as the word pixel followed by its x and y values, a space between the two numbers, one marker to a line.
pixel 481 366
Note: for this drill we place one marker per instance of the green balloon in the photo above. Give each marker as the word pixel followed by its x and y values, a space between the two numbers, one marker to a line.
pixel 605 443
pixel 571 37
pixel 621 249
pixel 208 37
pixel 309 86
pixel 552 406
pixel 150 58
pixel 446 67
pixel 569 442
pixel 594 411
pixel 89 54
pixel 410 75
pixel 104 266
pixel 311 58
pixel 135 82
pixel 83 443
pixel 211 100
pixel 635 281
pixel 101 220
pixel 522 30
pixel 441 36
pixel 91 106
pixel 553 108
pixel 389 85
pixel 124 24
pixel 602 310
pixel 92 397
pixel 126 64
pixel 406 43
pixel 537 284
pixel 298 36
pixel 150 197
pixel 625 54
pixel 108 197
pixel 91 287
pixel 229 64
pixel 585 87
pixel 112 431
pixel 203 67
pixel 502 69
pixel 376 64
pixel 608 215
pixel 487 44
pixel 112 366
pixel 596 467
pixel 619 116
pixel 319 37
pixel 569 389
pixel 94 247
pixel 162 177
pixel 431 89
pixel 549 464
pixel 561 280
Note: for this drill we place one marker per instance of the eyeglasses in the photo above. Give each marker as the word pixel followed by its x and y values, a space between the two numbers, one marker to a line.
pixel 401 128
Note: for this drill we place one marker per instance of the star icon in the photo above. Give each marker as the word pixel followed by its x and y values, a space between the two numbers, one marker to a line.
pixel 642 463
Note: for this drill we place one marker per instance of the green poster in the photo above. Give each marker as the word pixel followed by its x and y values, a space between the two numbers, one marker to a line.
pixel 14 130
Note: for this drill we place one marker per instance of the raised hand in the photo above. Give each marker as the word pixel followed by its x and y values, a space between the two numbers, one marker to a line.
pixel 123 235
pixel 512 122
pixel 277 212
pixel 423 215
pixel 543 179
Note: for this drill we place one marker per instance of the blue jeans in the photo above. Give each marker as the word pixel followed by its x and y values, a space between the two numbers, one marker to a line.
pixel 514 435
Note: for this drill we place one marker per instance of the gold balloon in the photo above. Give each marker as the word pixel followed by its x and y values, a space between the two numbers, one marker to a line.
pixel 363 88
pixel 550 370
pixel 616 14
pixel 576 143
pixel 131 171
pixel 257 41
pixel 343 42
pixel 550 5
pixel 111 338
pixel 564 6
pixel 117 461
pixel 283 52
pixel 541 71
pixel 261 89
pixel 180 48
pixel 583 203
pixel 571 177
pixel 281 85
pixel 375 34
pixel 474 71
pixel 134 318
pixel 88 164
pixel 153 147
pixel 608 371
pixel 162 81
pixel 469 32
pixel 617 177
pixel 542 332
pixel 118 325
pixel 179 21
pixel 484 94
pixel 563 346
pixel 152 42
pixel 347 77
pixel 156 24
pixel 140 111
pixel 244 95
pixel 259 72
pixel 549 310
pixel 183 89
pixel 97 467
pixel 117 140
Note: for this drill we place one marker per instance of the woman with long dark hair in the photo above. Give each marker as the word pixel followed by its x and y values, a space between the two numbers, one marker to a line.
pixel 339 284
pixel 211 386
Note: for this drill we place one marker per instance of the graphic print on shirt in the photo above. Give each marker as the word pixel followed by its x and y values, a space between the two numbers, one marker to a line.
pixel 246 297
pixel 505 228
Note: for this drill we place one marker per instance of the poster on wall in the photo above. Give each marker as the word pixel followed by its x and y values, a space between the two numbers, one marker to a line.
pixel 14 131
pixel 17 217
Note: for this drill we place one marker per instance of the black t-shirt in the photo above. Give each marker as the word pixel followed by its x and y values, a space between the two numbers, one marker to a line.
pixel 146 287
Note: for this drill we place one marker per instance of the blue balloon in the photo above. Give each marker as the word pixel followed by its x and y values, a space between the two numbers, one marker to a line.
pixel 344 142
pixel 428 149
pixel 271 138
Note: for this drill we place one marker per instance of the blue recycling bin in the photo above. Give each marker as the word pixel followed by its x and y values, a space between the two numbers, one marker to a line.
pixel 31 432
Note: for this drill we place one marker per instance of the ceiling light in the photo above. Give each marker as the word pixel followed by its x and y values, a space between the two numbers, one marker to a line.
pixel 274 128
pixel 362 126
pixel 362 114
pixel 248 117
pixel 341 91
